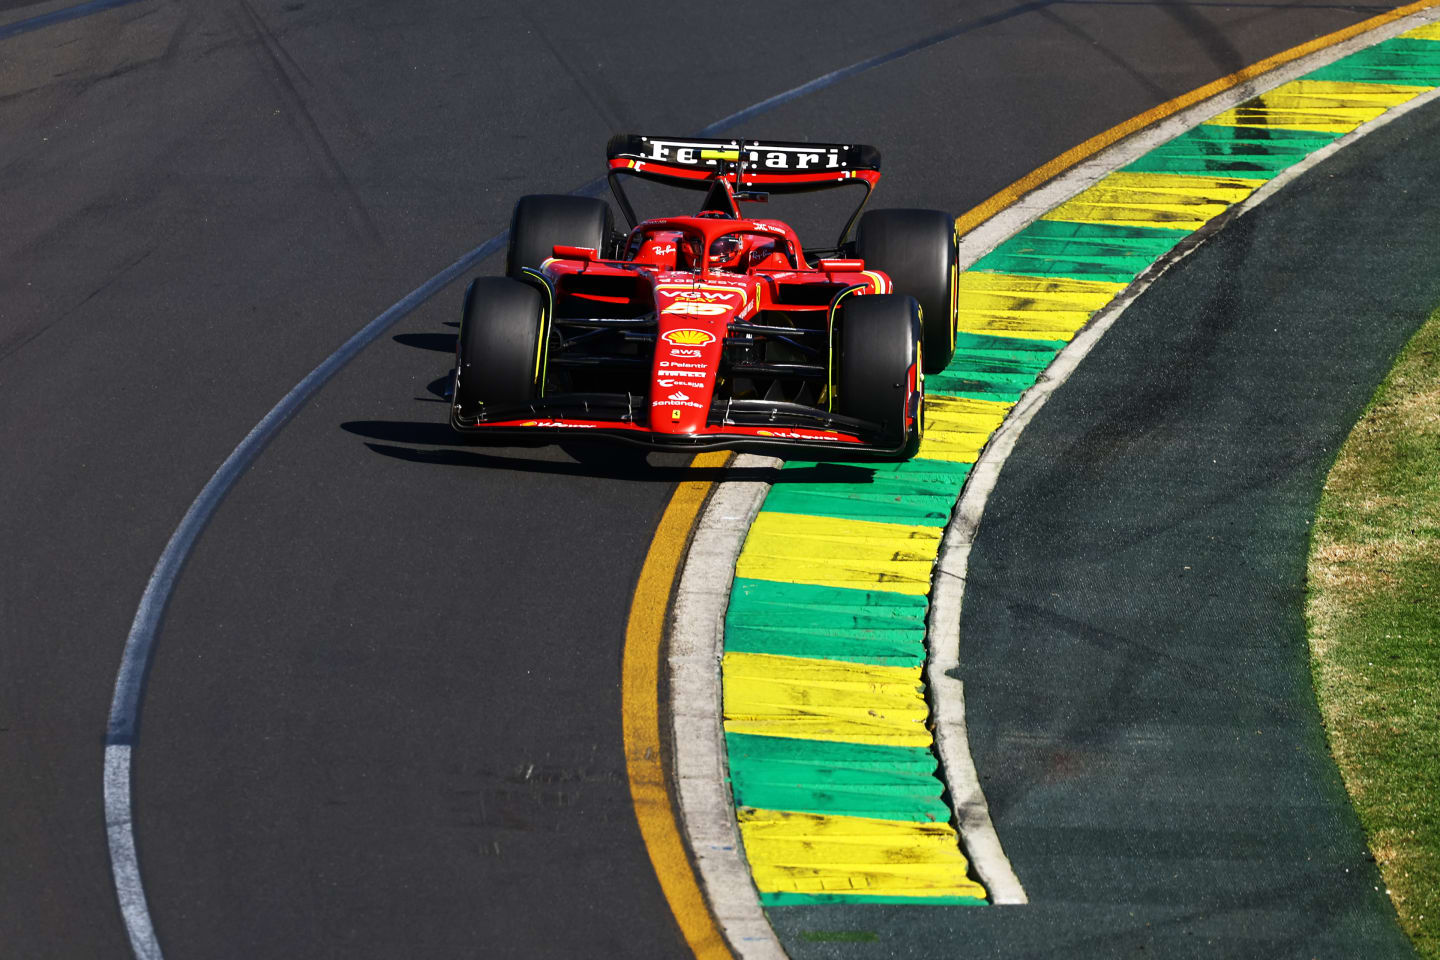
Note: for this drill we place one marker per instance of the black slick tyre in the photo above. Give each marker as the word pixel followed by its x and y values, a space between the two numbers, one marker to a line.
pixel 917 250
pixel 542 220
pixel 499 349
pixel 878 343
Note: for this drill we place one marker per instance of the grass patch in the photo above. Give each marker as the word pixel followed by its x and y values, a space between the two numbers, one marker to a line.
pixel 1373 612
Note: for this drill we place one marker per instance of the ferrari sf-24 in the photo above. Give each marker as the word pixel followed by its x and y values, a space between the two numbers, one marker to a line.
pixel 712 330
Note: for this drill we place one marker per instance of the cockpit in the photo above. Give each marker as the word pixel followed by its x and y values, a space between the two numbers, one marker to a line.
pixel 740 251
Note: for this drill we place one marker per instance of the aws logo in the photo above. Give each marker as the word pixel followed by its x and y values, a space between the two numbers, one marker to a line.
pixel 688 337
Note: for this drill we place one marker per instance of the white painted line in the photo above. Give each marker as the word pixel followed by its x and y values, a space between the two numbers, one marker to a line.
pixel 123 862
pixel 124 723
pixel 702 776
pixel 972 813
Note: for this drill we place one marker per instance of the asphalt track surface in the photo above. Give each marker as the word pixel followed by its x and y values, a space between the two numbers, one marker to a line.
pixel 383 717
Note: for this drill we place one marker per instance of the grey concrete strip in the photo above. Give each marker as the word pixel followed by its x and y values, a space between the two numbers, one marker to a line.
pixel 696 644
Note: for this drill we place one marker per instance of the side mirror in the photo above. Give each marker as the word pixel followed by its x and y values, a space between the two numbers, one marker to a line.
pixel 840 266
pixel 563 252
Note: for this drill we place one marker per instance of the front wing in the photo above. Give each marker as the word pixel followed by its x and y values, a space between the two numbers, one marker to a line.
pixel 784 434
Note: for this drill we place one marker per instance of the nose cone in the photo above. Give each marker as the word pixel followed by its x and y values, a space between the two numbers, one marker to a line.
pixel 687 354
pixel 693 319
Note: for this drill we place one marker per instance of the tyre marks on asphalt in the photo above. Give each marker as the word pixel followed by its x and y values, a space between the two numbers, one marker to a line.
pixel 826 722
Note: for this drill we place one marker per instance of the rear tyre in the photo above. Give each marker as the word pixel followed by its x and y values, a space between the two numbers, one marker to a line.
pixel 498 351
pixel 542 220
pixel 879 342
pixel 918 250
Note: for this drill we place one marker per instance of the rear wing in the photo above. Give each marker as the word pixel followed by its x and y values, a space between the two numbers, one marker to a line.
pixel 751 169
pixel 777 166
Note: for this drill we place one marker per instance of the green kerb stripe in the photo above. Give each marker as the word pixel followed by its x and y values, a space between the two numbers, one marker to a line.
pixel 1251 152
pixel 1082 251
pixel 1401 61
pixel 920 492
pixel 993 368
pixel 844 779
pixel 830 623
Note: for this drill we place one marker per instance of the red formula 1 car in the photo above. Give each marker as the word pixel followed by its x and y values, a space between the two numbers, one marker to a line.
pixel 712 330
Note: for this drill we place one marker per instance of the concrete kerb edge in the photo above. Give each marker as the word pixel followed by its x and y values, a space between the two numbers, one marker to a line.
pixel 702 777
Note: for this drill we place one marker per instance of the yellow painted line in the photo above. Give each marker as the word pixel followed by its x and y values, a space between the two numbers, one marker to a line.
pixel 957 428
pixel 1048 171
pixel 833 552
pixel 818 853
pixel 1431 31
pixel 1040 308
pixel 640 701
pixel 1328 106
pixel 1171 200
pixel 809 699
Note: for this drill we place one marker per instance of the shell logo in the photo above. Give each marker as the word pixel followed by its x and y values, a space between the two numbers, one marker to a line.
pixel 689 337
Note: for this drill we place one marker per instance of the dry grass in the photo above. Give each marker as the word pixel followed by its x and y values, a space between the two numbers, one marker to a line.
pixel 1374 619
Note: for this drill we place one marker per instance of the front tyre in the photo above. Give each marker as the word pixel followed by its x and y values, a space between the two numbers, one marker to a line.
pixel 542 220
pixel 878 367
pixel 498 361
pixel 918 250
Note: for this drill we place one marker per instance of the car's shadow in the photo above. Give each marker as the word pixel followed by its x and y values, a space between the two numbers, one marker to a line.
pixel 395 438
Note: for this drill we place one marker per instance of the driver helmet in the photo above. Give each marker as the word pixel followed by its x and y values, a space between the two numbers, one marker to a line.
pixel 727 251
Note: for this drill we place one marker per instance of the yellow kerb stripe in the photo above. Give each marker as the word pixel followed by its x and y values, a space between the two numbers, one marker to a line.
pixel 861 554
pixel 981 212
pixel 1041 308
pixel 800 697
pixel 1170 200
pixel 1431 31
pixel 817 853
pixel 956 428
pixel 1325 106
